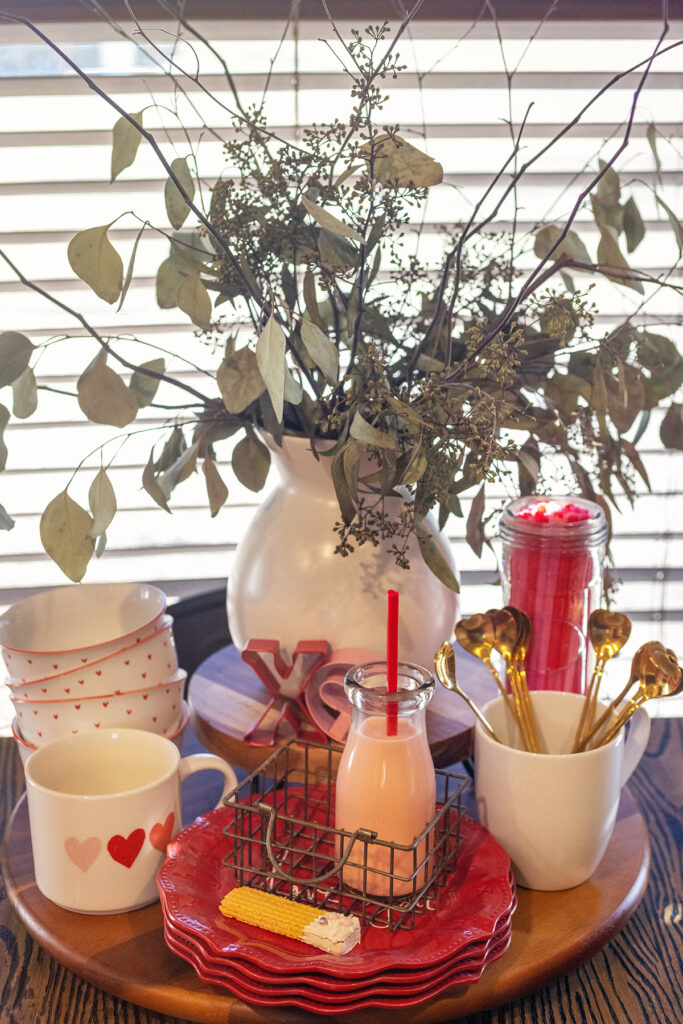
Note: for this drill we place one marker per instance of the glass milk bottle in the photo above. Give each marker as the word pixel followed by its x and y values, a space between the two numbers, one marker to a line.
pixel 553 559
pixel 386 782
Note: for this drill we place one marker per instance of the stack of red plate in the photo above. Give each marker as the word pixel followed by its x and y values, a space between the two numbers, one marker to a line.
pixel 465 928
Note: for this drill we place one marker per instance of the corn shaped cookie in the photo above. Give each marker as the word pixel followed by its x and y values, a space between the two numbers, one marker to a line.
pixel 333 933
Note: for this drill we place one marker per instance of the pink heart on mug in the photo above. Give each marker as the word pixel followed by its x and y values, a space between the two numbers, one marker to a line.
pixel 161 835
pixel 83 854
pixel 125 850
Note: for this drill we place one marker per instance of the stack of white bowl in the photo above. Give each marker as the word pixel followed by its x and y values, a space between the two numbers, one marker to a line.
pixel 92 656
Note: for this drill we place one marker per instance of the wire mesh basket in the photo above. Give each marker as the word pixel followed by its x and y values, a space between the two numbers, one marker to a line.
pixel 283 840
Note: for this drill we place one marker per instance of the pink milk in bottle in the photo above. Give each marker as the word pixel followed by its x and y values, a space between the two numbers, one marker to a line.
pixel 386 783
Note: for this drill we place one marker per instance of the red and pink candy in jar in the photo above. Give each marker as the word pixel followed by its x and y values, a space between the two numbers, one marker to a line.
pixel 553 560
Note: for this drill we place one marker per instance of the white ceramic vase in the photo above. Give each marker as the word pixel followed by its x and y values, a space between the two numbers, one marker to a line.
pixel 288 584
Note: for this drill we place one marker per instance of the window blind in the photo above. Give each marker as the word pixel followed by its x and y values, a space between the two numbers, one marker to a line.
pixel 451 101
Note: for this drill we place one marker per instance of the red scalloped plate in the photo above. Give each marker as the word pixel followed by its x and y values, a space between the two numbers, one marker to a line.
pixel 284 996
pixel 192 882
pixel 390 982
pixel 334 990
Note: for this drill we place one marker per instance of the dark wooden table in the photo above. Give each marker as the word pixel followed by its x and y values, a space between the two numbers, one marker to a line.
pixel 636 979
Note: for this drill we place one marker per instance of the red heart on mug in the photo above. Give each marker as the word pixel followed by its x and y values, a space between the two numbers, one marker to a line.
pixel 124 851
pixel 160 835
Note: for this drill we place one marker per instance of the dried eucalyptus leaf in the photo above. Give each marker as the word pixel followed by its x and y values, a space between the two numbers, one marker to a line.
pixel 95 260
pixel 6 521
pixel 336 254
pixel 270 357
pixel 655 351
pixel 415 467
pixel 529 466
pixel 474 530
pixel 177 209
pixel 125 142
pixel 652 141
pixel 251 462
pixel 193 298
pixel 636 461
pixel 172 450
pixel 131 264
pixel 671 430
pixel 182 468
pixel 4 420
pixel 169 280
pixel 346 495
pixel 100 545
pixel 150 484
pixel 572 247
pixel 662 384
pixel 612 262
pixel 609 190
pixel 239 380
pixel 434 558
pixel 311 299
pixel 15 353
pixel 376 232
pixel 674 221
pixel 634 229
pixel 102 502
pixel 216 490
pixel 367 434
pixel 24 395
pixel 294 391
pixel 329 221
pixel 398 164
pixel 642 426
pixel 65 533
pixel 103 396
pixel 321 350
pixel 142 385
pixel 625 396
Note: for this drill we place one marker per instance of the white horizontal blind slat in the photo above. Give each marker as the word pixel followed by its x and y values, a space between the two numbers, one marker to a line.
pixel 55 139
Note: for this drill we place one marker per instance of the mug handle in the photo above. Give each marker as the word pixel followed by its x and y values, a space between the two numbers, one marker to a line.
pixel 201 762
pixel 636 742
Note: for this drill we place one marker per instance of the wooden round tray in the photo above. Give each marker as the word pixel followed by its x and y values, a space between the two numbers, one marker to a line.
pixel 125 954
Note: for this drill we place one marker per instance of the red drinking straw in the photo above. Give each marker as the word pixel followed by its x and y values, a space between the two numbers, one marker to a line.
pixel 392 660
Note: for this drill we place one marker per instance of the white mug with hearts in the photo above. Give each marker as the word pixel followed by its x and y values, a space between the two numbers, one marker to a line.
pixel 102 807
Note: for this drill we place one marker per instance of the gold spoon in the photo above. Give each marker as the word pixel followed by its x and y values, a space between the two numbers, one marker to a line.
pixel 472 633
pixel 607 632
pixel 663 678
pixel 444 662
pixel 639 669
pixel 511 632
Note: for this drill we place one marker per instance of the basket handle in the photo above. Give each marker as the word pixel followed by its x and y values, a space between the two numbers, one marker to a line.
pixel 364 834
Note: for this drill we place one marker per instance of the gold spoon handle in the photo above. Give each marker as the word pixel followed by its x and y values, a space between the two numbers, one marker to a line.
pixel 589 704
pixel 604 716
pixel 520 711
pixel 622 718
pixel 479 714
pixel 528 708
pixel 500 685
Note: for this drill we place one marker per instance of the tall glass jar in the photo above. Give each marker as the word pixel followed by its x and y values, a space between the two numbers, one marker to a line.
pixel 386 782
pixel 553 560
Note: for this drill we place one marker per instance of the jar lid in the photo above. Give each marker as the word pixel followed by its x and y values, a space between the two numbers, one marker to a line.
pixel 539 518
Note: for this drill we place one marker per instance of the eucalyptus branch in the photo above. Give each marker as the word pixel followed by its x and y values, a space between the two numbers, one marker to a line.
pixel 407 18
pixel 98 337
pixel 539 275
pixel 153 143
